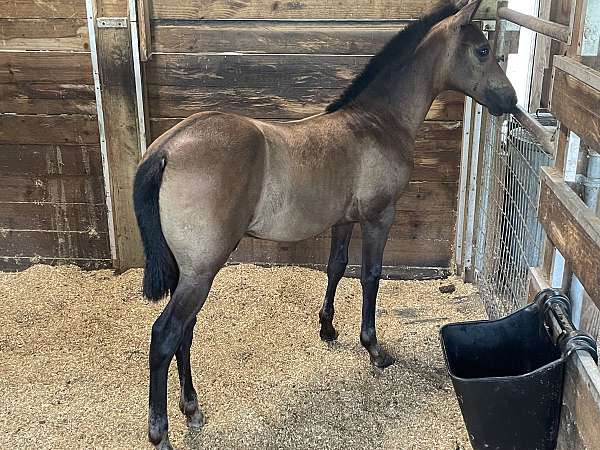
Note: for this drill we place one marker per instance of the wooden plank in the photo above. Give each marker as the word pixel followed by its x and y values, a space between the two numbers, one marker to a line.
pixel 262 36
pixel 575 104
pixel 54 9
pixel 55 189
pixel 572 228
pixel 581 397
pixel 581 405
pixel 18 264
pixel 118 90
pixel 307 9
pixel 277 101
pixel 112 8
pixel 243 71
pixel 541 61
pixel 40 129
pixel 53 216
pixel 590 317
pixel 47 98
pixel 144 29
pixel 44 34
pixel 408 252
pixel 45 67
pixel 48 244
pixel 429 196
pixel 51 160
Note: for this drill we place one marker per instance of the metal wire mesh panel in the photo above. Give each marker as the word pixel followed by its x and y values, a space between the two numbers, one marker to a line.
pixel 510 237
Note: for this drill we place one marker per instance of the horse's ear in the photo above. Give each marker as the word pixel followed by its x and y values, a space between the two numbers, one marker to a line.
pixel 467 13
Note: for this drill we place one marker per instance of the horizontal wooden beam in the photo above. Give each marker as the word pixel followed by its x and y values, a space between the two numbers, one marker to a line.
pixel 556 31
pixel 573 228
pixel 584 69
pixel 581 399
pixel 306 9
pixel 575 101
pixel 543 136
pixel 44 34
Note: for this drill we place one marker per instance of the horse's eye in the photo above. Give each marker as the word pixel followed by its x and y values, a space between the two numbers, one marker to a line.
pixel 483 52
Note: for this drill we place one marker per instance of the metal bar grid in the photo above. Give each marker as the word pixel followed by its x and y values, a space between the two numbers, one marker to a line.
pixel 510 237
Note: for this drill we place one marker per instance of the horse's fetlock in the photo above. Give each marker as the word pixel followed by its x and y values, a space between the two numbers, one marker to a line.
pixel 188 406
pixel 158 429
pixel 368 338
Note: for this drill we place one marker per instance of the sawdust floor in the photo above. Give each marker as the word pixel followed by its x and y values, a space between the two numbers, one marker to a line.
pixel 73 348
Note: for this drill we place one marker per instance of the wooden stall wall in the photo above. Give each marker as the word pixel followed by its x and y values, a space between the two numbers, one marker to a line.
pixel 52 200
pixel 287 60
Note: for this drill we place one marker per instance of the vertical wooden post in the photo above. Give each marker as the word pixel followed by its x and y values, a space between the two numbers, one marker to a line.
pixel 121 126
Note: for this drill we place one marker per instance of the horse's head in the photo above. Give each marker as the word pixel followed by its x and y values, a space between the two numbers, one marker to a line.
pixel 472 67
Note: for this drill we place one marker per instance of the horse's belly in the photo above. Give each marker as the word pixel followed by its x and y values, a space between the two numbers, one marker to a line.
pixel 293 222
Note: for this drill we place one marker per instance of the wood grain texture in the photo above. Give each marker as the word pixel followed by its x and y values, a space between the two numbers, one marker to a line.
pixel 428 253
pixel 575 104
pixel 306 9
pixel 47 98
pixel 243 71
pixel 53 216
pixel 263 36
pixel 581 405
pixel 44 34
pixel 63 189
pixel 42 9
pixel 572 228
pixel 40 129
pixel 20 263
pixel 273 102
pixel 51 160
pixel 45 67
pixel 115 62
pixel 590 318
pixel 59 244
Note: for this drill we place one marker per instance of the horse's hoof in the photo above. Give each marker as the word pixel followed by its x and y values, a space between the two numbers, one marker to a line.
pixel 382 361
pixel 164 444
pixel 196 420
pixel 328 334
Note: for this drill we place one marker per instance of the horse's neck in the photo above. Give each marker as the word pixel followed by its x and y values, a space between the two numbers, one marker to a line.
pixel 402 100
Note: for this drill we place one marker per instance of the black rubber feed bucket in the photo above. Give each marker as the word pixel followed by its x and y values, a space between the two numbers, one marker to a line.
pixel 508 373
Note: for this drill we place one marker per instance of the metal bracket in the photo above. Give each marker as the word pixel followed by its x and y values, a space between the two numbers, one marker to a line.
pixel 111 22
pixel 489 25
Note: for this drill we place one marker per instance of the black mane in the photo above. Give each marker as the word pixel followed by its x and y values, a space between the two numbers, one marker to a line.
pixel 398 50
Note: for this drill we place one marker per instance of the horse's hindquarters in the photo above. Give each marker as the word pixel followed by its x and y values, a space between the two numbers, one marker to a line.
pixel 211 184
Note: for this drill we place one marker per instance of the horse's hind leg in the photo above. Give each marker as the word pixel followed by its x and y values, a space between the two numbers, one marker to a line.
pixel 168 334
pixel 188 402
pixel 338 260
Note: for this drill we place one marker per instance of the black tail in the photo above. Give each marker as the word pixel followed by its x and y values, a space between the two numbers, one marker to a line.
pixel 161 272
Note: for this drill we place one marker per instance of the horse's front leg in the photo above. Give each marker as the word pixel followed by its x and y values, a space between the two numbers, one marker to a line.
pixel 374 237
pixel 338 260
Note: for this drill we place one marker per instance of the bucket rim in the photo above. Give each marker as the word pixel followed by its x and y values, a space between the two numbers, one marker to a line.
pixel 532 306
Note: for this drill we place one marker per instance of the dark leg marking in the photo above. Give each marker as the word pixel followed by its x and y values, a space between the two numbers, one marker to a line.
pixel 374 234
pixel 188 401
pixel 168 333
pixel 338 260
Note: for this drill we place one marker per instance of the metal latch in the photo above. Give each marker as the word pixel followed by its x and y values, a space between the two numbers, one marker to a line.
pixel 111 22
